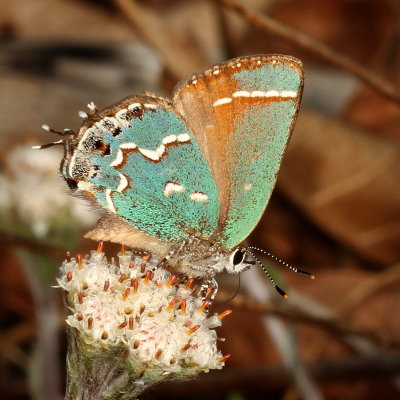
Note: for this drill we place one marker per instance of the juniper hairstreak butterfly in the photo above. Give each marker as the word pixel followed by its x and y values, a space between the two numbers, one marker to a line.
pixel 188 179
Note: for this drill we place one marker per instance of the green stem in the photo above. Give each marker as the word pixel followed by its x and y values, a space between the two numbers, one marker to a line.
pixel 95 373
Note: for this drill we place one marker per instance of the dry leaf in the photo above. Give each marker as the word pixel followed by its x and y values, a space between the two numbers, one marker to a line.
pixel 347 182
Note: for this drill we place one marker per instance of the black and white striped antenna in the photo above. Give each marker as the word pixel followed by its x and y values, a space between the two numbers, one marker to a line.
pixel 284 263
pixel 266 272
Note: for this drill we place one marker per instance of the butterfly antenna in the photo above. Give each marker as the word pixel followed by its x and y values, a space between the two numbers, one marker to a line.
pixel 284 263
pixel 259 263
pixel 65 132
pixel 47 145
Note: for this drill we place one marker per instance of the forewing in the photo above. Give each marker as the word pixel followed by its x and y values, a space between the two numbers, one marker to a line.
pixel 242 114
pixel 139 160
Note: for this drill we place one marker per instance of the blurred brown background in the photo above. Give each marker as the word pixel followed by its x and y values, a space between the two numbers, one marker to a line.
pixel 335 212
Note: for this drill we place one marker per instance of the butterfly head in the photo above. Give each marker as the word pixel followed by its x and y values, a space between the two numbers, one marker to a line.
pixel 70 141
pixel 239 260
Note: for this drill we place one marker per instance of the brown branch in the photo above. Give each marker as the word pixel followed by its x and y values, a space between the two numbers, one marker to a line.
pixel 258 379
pixel 380 85
pixel 179 56
pixel 8 239
pixel 334 326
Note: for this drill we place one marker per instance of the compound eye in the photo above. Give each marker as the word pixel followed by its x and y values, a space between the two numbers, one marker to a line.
pixel 72 183
pixel 237 257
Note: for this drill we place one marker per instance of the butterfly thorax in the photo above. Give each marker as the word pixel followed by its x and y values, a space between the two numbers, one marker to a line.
pixel 197 257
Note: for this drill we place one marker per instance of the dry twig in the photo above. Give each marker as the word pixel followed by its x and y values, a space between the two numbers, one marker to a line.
pixel 179 57
pixel 258 379
pixel 32 245
pixel 334 326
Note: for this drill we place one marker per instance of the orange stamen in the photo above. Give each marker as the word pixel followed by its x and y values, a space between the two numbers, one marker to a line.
pixel 158 354
pixel 185 348
pixel 123 325
pixel 224 314
pixel 189 283
pixel 79 261
pixel 209 291
pixel 172 303
pixel 183 307
pixel 134 285
pixel 193 329
pixel 224 358
pixel 172 280
pixel 126 294
pixel 148 277
pixel 204 306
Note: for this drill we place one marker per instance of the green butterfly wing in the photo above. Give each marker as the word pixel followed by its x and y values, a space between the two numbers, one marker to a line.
pixel 139 160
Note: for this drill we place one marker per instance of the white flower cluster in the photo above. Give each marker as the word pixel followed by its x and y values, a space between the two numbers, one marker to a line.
pixel 32 191
pixel 162 322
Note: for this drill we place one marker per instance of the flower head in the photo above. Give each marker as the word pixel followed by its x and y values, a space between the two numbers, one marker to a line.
pixel 33 194
pixel 138 305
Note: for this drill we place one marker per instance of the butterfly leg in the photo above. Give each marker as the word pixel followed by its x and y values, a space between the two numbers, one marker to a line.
pixel 209 289
pixel 171 254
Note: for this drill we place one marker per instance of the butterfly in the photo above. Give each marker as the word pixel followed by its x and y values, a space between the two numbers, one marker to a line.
pixel 188 179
